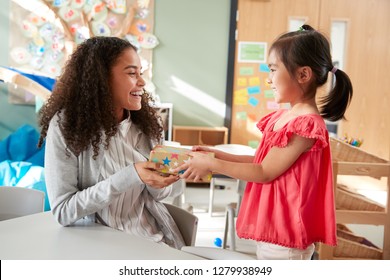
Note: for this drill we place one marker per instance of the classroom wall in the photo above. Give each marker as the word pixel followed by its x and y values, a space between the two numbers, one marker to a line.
pixel 189 65
pixel 11 116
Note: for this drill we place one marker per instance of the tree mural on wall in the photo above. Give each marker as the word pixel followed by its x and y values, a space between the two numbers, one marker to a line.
pixel 43 33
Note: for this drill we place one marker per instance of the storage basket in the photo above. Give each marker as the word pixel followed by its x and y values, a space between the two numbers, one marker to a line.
pixel 342 151
pixel 353 246
pixel 347 199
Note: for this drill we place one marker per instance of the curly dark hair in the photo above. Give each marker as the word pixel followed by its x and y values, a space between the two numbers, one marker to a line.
pixel 83 97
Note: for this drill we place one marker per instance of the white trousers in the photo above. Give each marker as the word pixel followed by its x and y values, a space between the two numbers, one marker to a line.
pixel 268 251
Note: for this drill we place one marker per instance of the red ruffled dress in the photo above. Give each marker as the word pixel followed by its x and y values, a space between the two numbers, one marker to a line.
pixel 297 208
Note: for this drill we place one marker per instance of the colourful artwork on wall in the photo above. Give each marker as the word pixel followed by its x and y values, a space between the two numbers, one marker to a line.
pixel 45 32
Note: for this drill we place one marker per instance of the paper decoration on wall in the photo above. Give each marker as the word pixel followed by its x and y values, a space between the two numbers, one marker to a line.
pixel 246 71
pixel 253 101
pixel 240 97
pixel 240 100
pixel 241 82
pixel 254 81
pixel 241 115
pixel 269 93
pixel 272 105
pixel 253 90
pixel 143 3
pixel 37 45
pixel 147 41
pixel 43 33
pixel 252 52
pixel 252 118
pixel 263 68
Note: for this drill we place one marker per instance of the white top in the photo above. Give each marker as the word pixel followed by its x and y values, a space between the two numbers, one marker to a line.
pixel 125 211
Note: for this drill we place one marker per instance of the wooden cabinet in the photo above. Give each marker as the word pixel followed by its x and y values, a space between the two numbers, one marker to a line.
pixel 199 135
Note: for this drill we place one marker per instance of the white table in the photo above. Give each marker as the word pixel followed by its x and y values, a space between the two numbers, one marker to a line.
pixel 40 237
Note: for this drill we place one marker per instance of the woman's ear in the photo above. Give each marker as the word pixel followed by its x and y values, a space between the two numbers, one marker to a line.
pixel 304 74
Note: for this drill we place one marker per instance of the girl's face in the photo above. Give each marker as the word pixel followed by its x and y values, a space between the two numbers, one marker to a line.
pixel 286 88
pixel 126 83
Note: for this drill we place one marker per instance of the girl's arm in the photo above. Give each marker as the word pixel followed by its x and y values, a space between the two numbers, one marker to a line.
pixel 275 163
pixel 224 155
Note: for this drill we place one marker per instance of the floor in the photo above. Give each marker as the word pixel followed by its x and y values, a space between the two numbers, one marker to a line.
pixel 211 227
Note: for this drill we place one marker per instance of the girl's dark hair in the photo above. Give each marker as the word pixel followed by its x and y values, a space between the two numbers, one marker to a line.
pixel 82 95
pixel 308 47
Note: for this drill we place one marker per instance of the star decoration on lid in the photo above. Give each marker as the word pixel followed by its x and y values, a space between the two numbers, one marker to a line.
pixel 166 161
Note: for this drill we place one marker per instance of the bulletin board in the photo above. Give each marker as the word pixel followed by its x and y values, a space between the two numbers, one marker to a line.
pixel 251 95
pixel 43 33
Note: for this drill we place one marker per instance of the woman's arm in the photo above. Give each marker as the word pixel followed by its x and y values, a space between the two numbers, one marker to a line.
pixel 69 199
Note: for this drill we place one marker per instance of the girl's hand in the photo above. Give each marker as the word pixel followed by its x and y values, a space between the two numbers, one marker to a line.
pixel 202 149
pixel 196 167
pixel 150 175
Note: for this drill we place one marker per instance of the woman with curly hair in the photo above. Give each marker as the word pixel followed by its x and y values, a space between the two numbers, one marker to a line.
pixel 99 129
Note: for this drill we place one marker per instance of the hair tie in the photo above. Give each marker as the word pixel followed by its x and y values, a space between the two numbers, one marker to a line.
pixel 334 69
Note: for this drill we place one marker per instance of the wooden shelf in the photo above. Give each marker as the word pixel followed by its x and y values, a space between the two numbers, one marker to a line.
pixel 352 161
pixel 199 135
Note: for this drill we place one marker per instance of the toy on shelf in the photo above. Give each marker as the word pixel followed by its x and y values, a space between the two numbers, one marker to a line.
pixel 356 142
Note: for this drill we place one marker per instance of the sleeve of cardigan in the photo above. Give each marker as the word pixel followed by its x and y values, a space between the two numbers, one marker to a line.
pixel 68 200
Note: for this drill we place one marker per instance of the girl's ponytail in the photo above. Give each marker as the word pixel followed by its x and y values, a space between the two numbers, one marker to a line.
pixel 334 105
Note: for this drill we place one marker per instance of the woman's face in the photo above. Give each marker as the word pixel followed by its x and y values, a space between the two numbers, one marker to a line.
pixel 286 88
pixel 126 83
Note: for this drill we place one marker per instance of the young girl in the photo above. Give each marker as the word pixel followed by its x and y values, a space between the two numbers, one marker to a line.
pixel 288 204
pixel 99 129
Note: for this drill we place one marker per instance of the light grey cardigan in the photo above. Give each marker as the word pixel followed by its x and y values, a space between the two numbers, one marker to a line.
pixel 74 191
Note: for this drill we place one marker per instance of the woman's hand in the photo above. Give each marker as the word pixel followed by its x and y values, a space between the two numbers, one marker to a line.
pixel 196 167
pixel 150 175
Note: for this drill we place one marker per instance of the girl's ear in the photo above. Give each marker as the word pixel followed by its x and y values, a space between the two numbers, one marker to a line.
pixel 304 74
